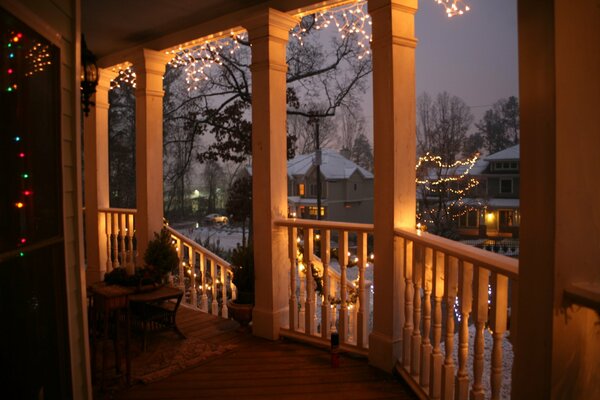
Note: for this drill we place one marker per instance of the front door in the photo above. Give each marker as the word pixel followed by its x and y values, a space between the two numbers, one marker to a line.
pixel 34 351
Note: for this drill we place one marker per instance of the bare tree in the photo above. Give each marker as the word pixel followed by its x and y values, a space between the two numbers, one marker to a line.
pixel 442 125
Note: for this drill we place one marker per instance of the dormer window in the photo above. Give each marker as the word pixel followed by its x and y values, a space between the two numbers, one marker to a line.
pixel 506 166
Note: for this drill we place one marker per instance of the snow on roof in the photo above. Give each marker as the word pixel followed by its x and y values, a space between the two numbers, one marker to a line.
pixel 512 153
pixel 333 165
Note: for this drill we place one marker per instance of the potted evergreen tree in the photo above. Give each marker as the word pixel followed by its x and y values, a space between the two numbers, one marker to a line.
pixel 242 261
pixel 160 257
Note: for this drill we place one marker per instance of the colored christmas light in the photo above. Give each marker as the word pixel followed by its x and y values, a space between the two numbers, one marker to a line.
pixel 21 155
pixel 27 192
pixel 19 205
pixel 17 138
pixel 23 240
pixel 21 254
pixel 25 176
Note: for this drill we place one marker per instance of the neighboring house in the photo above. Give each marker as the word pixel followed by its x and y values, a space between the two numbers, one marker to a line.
pixel 496 199
pixel 346 188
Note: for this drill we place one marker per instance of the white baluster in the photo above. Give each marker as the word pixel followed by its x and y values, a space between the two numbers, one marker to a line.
pixel 408 304
pixel 213 277
pixel 179 246
pixel 362 312
pixel 415 344
pixel 325 305
pixel 343 260
pixel 114 239
pixel 480 317
pixel 203 285
pixel 498 324
pixel 107 231
pixel 224 310
pixel 450 296
pixel 310 284
pixel 121 218
pixel 193 290
pixel 425 342
pixel 465 296
pixel 435 380
pixel 293 302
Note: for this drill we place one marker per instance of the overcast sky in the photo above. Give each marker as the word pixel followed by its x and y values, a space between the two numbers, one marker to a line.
pixel 473 56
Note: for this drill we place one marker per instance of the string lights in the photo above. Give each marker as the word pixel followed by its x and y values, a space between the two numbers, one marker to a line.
pixel 348 19
pixel 454 7
pixel 449 181
pixel 37 58
pixel 126 76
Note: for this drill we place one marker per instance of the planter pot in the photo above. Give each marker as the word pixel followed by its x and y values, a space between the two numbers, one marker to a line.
pixel 241 313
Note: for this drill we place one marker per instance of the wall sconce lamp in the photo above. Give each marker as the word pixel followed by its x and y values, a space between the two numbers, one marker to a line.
pixel 89 77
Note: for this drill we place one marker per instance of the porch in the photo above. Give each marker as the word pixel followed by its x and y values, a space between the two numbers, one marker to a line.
pixel 258 368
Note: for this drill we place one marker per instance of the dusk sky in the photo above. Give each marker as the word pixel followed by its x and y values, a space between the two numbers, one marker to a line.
pixel 473 56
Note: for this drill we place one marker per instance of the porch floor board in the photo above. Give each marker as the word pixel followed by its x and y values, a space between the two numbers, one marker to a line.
pixel 262 369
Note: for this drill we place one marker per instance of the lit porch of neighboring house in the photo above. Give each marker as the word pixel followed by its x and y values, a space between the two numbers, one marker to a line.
pixel 552 292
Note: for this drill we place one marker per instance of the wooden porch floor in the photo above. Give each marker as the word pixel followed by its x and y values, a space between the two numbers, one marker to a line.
pixel 260 369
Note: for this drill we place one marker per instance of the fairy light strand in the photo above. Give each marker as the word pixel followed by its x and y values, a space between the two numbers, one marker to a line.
pixel 454 8
pixel 446 181
pixel 349 19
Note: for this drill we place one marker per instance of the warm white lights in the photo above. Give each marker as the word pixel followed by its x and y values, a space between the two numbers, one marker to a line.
pixel 348 19
pixel 454 7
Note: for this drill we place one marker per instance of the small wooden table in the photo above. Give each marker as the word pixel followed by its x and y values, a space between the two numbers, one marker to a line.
pixel 107 300
pixel 155 307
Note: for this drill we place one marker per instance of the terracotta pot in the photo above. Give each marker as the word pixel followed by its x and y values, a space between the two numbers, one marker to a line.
pixel 241 313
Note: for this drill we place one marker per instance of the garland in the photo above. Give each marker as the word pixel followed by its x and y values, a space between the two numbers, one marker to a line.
pixel 352 297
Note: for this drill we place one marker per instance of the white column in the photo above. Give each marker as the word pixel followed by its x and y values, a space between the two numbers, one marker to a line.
pixel 268 32
pixel 394 122
pixel 149 68
pixel 95 153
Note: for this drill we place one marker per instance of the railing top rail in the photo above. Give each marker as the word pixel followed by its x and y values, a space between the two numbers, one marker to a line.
pixel 199 248
pixel 320 224
pixel 118 210
pixel 486 259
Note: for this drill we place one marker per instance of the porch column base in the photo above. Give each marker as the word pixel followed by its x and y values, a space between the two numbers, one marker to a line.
pixel 384 351
pixel 267 323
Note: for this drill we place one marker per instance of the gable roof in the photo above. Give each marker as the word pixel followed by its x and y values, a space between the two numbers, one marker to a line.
pixel 511 153
pixel 333 165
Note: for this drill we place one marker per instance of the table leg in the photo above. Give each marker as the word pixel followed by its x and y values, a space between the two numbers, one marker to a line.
pixel 116 342
pixel 127 344
pixel 104 348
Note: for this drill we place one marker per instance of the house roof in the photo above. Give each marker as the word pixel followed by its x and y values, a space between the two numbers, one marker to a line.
pixel 511 153
pixel 333 165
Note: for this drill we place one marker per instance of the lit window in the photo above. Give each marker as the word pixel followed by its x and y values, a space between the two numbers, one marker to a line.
pixel 301 189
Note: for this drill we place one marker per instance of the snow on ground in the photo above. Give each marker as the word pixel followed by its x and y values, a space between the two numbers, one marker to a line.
pixel 226 236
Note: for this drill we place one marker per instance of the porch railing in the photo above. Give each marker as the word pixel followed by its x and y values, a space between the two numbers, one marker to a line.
pixel 119 231
pixel 205 278
pixel 450 289
pixel 449 286
pixel 328 295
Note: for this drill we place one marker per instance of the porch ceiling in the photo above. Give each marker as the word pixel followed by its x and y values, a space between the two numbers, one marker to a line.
pixel 115 28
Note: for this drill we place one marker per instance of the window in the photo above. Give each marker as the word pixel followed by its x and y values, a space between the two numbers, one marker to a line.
pixel 468 220
pixel 355 187
pixel 506 166
pixel 313 211
pixel 506 217
pixel 301 189
pixel 506 186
